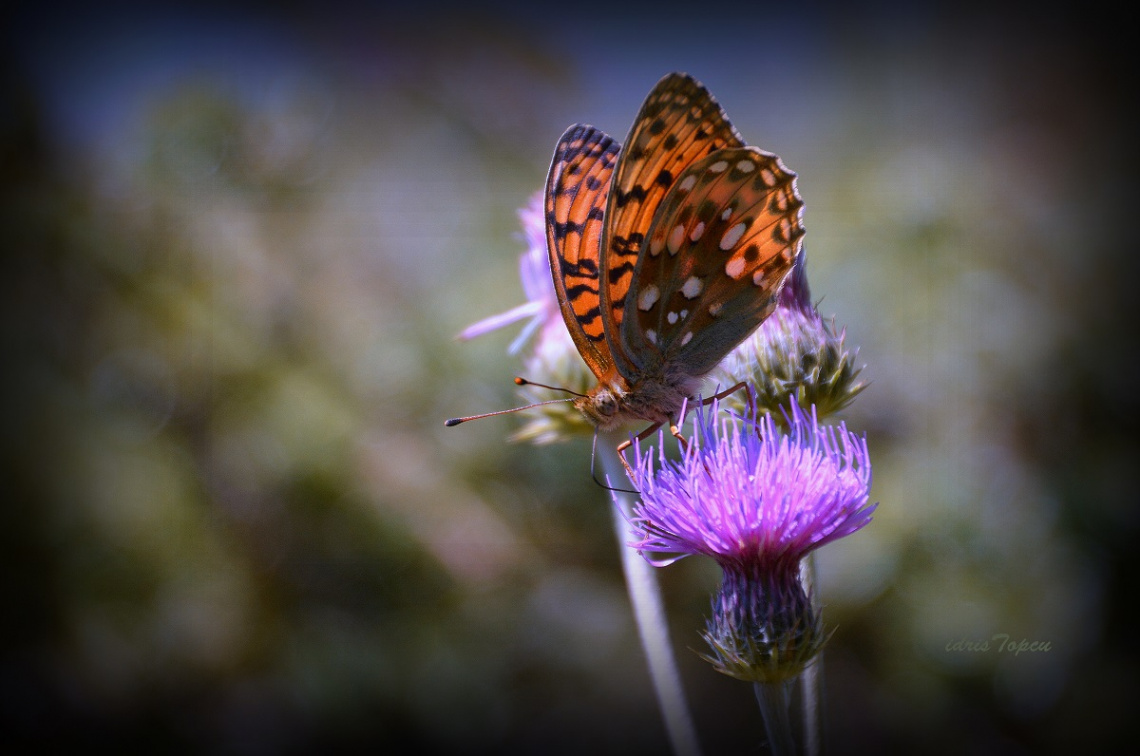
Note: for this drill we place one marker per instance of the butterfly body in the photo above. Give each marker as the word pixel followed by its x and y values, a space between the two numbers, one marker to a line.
pixel 653 398
pixel 667 253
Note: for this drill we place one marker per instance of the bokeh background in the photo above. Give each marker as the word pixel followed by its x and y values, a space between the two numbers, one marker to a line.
pixel 239 243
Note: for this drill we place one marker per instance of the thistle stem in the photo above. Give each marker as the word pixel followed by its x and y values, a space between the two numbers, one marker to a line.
pixel 649 613
pixel 774 699
pixel 811 678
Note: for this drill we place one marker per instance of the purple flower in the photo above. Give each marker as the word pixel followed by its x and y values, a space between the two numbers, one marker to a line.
pixel 534 272
pixel 796 294
pixel 552 359
pixel 794 354
pixel 757 500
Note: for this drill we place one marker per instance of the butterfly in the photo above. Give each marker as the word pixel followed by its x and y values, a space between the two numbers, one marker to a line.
pixel 665 253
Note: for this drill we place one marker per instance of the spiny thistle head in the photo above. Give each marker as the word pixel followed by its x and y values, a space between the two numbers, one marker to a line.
pixel 764 627
pixel 795 355
pixel 757 499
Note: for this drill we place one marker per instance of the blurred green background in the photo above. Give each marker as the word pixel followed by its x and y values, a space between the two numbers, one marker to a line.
pixel 238 246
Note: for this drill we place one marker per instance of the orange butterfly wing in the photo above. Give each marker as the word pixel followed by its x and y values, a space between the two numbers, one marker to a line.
pixel 575 200
pixel 725 238
pixel 678 124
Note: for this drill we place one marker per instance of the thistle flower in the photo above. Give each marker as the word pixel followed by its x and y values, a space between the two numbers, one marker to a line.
pixel 757 500
pixel 794 355
pixel 553 359
pixel 534 272
pixel 556 362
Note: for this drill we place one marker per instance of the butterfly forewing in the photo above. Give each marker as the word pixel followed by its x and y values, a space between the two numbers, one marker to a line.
pixel 678 124
pixel 717 253
pixel 575 200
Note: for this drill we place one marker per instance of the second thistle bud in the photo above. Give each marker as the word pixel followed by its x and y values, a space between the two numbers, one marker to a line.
pixel 794 355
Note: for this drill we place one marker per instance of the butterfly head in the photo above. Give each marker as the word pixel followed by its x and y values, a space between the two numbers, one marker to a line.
pixel 603 405
pixel 654 399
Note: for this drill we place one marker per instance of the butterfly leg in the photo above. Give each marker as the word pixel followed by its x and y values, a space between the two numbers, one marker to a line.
pixel 640 437
pixel 729 392
pixel 674 428
pixel 705 402
pixel 684 442
pixel 628 471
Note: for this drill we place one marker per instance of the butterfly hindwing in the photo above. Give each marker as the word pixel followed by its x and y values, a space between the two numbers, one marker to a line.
pixel 575 200
pixel 724 238
pixel 678 124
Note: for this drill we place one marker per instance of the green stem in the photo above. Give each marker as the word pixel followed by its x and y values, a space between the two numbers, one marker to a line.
pixel 649 611
pixel 773 700
pixel 776 699
pixel 811 678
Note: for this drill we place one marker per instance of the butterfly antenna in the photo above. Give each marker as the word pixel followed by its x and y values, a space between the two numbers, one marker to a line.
pixel 524 382
pixel 594 456
pixel 457 420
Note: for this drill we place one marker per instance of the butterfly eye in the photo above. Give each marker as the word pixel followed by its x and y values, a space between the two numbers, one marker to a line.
pixel 606 404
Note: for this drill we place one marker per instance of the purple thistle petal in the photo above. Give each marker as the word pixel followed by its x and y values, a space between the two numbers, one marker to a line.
pixel 534 268
pixel 495 322
pixel 534 273
pixel 796 294
pixel 744 492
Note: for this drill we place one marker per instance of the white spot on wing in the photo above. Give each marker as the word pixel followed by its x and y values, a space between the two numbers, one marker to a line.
pixel 687 338
pixel 726 214
pixel 715 308
pixel 676 236
pixel 687 183
pixel 746 166
pixel 718 167
pixel 732 236
pixel 697 231
pixel 758 277
pixel 692 287
pixel 734 267
pixel 768 177
pixel 647 298
pixel 651 335
pixel 671 317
